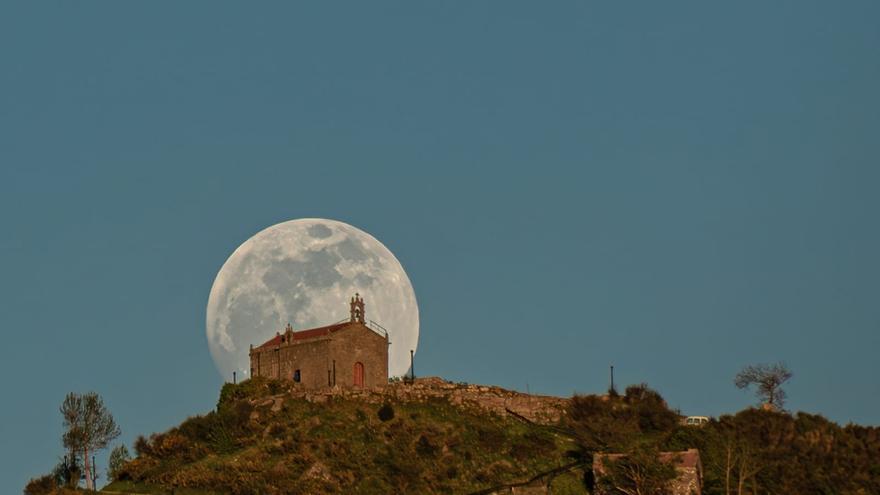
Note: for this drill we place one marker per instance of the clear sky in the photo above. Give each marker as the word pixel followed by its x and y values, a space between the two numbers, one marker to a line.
pixel 677 188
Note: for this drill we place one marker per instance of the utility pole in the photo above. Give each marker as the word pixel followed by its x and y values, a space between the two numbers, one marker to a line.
pixel 412 366
pixel 233 378
pixel 612 379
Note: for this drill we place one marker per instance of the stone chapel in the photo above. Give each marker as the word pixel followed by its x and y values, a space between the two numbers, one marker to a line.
pixel 352 353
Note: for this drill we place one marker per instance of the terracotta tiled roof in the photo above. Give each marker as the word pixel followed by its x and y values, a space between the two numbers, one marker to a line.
pixel 311 333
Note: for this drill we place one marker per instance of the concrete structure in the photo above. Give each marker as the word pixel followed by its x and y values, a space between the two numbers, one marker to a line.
pixel 348 354
pixel 687 464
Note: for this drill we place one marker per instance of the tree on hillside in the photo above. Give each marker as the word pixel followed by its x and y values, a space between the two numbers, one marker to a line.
pixel 67 472
pixel 640 472
pixel 736 458
pixel 118 457
pixel 769 379
pixel 653 413
pixel 602 425
pixel 88 427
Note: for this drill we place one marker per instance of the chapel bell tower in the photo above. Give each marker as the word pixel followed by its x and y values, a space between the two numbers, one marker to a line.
pixel 357 309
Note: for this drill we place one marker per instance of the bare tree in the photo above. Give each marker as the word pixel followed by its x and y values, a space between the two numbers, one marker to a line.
pixel 88 426
pixel 769 379
pixel 639 472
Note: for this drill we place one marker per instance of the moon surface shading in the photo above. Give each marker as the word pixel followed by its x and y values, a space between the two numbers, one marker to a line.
pixel 304 272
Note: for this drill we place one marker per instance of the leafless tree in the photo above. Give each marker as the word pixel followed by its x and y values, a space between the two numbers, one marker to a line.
pixel 88 426
pixel 769 379
pixel 639 472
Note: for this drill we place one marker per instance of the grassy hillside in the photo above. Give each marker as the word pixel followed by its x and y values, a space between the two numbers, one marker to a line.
pixel 261 440
pixel 252 444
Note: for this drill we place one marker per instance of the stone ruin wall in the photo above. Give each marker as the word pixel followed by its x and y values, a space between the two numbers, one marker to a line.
pixel 540 409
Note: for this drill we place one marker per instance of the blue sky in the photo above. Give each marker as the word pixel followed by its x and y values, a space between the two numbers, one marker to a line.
pixel 678 188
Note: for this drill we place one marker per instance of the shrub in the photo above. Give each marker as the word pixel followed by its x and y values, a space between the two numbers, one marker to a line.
pixel 118 457
pixel 172 444
pixel 198 427
pixel 520 451
pixel 67 472
pixel 539 444
pixel 653 412
pixel 491 438
pixel 43 485
pixel 142 446
pixel 602 424
pixel 425 448
pixel 386 412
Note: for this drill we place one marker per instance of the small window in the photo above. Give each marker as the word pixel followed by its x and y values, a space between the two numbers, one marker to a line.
pixel 296 376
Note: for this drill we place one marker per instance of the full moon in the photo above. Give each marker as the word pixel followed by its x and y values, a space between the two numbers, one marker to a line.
pixel 304 272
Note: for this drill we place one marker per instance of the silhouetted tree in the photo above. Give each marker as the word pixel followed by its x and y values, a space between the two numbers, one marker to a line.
pixel 769 379
pixel 88 426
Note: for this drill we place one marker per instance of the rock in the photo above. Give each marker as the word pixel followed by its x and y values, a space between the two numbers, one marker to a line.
pixel 317 471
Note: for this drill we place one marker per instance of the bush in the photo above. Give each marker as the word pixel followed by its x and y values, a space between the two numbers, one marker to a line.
pixel 491 438
pixel 602 424
pixel 43 485
pixel 386 412
pixel 142 446
pixel 650 407
pixel 67 472
pixel 425 448
pixel 198 427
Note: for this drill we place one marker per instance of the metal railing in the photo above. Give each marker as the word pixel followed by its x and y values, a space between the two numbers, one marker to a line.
pixel 372 325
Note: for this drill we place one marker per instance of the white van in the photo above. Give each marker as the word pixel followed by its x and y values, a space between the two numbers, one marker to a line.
pixel 696 420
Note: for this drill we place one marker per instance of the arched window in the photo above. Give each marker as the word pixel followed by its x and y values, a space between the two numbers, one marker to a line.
pixel 359 374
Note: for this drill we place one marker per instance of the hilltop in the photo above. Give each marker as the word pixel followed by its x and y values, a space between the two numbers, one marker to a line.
pixel 430 436
pixel 433 436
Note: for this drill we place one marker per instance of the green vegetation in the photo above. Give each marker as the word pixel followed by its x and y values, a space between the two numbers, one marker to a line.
pixel 760 451
pixel 119 456
pixel 261 441
pixel 253 444
pixel 88 427
pixel 754 451
pixel 768 380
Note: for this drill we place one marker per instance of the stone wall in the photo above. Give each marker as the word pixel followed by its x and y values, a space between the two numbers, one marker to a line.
pixel 326 359
pixel 540 409
pixel 357 343
pixel 312 358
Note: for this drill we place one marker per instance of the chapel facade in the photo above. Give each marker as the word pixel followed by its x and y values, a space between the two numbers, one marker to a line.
pixel 350 354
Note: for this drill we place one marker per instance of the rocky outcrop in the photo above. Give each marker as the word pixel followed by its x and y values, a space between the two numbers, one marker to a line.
pixel 540 409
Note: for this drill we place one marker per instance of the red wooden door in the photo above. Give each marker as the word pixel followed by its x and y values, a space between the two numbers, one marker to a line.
pixel 359 375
